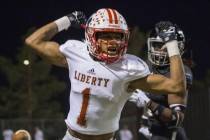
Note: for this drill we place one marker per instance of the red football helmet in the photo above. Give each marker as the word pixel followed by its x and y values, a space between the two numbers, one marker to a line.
pixel 103 21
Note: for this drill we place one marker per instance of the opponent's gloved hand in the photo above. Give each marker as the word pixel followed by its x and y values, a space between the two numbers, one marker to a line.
pixel 139 98
pixel 77 18
pixel 166 31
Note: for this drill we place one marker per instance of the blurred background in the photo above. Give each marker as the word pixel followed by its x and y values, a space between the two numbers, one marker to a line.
pixel 35 94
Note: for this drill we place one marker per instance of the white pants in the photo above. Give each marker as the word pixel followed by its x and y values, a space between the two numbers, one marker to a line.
pixel 68 136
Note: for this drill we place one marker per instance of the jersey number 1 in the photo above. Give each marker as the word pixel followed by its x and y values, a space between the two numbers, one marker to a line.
pixel 81 120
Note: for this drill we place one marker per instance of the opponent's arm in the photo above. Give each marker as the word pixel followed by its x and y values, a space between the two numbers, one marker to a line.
pixel 173 116
pixel 49 50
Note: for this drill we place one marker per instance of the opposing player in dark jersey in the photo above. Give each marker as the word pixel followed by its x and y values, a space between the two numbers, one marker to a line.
pixel 163 114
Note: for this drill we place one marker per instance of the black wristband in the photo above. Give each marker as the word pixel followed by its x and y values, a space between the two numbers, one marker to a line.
pixel 158 110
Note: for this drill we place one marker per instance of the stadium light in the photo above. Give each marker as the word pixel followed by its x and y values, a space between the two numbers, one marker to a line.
pixel 26 62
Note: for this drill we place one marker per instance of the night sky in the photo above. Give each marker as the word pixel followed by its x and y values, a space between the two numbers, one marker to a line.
pixel 17 16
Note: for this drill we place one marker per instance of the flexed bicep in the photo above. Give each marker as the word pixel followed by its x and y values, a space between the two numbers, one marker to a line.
pixel 40 42
pixel 51 53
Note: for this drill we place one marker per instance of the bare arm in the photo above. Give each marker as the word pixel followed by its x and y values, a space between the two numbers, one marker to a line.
pixel 166 113
pixel 155 83
pixel 172 115
pixel 177 107
pixel 49 50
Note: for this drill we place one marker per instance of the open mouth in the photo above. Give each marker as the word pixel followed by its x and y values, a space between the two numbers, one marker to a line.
pixel 112 51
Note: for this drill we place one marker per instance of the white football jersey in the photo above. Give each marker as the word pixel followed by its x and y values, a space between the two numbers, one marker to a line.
pixel 98 90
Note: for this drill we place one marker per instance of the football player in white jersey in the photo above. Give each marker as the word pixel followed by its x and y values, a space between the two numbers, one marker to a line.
pixel 164 114
pixel 102 75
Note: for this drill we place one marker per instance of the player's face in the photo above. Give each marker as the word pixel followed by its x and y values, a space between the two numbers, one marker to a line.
pixel 109 42
pixel 159 46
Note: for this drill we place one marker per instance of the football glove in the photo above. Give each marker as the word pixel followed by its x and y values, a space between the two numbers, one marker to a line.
pixel 77 19
pixel 139 98
pixel 166 31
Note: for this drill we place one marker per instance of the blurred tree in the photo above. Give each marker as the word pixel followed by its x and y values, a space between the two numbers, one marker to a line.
pixel 137 43
pixel 207 80
pixel 29 90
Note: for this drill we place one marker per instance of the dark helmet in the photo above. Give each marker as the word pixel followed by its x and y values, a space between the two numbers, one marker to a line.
pixel 155 43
